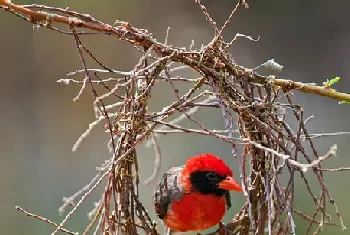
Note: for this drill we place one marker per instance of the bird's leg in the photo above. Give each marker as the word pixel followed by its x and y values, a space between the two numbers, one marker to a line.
pixel 223 230
pixel 168 231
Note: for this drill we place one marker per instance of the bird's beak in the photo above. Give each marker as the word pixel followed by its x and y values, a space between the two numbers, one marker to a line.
pixel 230 184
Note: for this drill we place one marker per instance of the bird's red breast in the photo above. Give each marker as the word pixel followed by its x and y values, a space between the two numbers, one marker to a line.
pixel 195 212
pixel 194 197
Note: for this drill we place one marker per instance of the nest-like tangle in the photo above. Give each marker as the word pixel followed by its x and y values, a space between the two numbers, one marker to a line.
pixel 254 109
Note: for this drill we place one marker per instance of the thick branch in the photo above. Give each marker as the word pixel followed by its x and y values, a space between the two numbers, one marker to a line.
pixel 136 36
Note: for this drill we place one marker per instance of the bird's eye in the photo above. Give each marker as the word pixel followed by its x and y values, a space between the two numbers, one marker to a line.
pixel 212 176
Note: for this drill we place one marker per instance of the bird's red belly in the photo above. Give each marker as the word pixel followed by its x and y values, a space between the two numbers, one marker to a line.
pixel 195 212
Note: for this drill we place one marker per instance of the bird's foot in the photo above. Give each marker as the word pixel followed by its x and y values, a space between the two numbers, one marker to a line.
pixel 223 230
pixel 168 231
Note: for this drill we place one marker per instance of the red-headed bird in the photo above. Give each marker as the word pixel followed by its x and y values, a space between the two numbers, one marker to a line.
pixel 194 197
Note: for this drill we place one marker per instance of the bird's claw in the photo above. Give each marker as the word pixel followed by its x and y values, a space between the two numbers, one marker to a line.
pixel 223 230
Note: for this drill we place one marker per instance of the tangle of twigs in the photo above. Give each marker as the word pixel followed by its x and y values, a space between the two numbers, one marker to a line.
pixel 254 109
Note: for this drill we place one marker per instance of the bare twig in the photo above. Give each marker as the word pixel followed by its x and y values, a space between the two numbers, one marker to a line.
pixel 79 202
pixel 156 161
pixel 45 220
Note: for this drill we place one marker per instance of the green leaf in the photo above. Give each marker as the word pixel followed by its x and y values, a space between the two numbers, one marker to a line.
pixel 333 81
pixel 343 102
pixel 325 83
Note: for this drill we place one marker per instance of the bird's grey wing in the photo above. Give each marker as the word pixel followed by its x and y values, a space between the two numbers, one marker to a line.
pixel 168 190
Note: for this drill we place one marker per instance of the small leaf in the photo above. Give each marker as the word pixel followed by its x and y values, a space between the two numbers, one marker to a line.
pixel 333 81
pixel 343 102
pixel 325 83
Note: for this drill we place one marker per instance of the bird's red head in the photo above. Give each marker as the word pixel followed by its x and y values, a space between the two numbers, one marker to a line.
pixel 210 163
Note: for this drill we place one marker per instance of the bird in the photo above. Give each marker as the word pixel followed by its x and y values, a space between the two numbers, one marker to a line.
pixel 195 196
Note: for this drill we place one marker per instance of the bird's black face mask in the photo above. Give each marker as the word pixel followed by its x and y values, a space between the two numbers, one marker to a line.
pixel 206 182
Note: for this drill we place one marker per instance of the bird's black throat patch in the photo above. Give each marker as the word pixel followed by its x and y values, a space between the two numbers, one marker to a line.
pixel 206 182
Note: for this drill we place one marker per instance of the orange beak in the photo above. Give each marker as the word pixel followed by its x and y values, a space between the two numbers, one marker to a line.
pixel 230 184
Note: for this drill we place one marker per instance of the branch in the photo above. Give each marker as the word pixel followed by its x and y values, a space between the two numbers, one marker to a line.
pixel 312 89
pixel 45 220
pixel 140 37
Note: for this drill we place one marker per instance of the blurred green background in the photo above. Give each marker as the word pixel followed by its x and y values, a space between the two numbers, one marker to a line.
pixel 39 122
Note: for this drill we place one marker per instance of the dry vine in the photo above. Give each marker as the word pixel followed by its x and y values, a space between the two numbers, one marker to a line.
pixel 256 105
